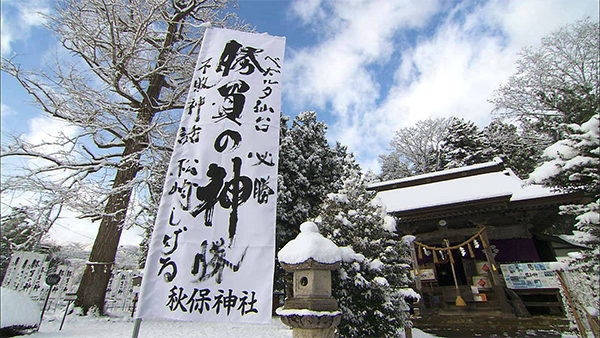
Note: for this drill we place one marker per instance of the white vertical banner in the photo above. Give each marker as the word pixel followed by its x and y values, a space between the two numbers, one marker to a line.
pixel 211 257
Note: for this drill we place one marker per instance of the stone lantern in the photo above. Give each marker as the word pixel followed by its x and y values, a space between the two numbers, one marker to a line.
pixel 311 311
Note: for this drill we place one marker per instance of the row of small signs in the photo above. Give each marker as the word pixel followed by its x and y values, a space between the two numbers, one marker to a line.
pixel 537 275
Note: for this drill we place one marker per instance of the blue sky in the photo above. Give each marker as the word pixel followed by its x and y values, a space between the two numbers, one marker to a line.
pixel 366 67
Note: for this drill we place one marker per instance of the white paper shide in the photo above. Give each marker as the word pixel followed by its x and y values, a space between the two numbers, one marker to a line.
pixel 211 257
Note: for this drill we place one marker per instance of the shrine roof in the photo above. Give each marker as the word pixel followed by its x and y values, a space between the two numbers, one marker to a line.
pixel 480 182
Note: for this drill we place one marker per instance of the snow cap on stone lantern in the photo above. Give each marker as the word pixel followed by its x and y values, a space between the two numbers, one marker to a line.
pixel 309 244
pixel 311 311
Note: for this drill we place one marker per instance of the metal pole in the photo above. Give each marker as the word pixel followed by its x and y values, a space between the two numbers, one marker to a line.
pixel 136 327
pixel 65 315
pixel 44 308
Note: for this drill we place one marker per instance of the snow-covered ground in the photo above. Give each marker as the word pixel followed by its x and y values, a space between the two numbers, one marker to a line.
pixel 17 309
pixel 122 326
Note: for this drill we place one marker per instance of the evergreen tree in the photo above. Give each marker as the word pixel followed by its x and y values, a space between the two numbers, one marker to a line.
pixel 373 289
pixel 22 230
pixel 309 168
pixel 463 144
pixel 572 166
pixel 19 232
pixel 519 151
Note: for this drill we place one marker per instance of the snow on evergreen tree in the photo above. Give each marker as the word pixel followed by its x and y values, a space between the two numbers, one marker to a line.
pixel 23 230
pixel 373 287
pixel 572 166
pixel 463 144
pixel 519 150
pixel 309 168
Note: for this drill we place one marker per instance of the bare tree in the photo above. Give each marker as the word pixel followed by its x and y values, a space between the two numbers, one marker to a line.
pixel 131 64
pixel 556 82
pixel 416 150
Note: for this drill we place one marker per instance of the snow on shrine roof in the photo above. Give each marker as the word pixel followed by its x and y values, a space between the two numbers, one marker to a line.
pixel 462 185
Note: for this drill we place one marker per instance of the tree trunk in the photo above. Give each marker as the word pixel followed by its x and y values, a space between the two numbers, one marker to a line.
pixel 92 289
pixel 97 273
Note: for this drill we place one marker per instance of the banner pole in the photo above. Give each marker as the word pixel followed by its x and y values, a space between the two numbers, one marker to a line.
pixel 136 327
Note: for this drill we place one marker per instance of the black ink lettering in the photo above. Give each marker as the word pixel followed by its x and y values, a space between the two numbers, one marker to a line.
pixel 167 263
pixel 172 218
pixel 176 298
pixel 204 66
pixel 262 190
pixel 209 193
pixel 233 100
pixel 262 124
pixel 266 159
pixel 247 61
pixel 199 300
pixel 217 262
pixel 235 192
pixel 167 239
pixel 227 301
pixel 222 141
pixel 228 56
pixel 246 305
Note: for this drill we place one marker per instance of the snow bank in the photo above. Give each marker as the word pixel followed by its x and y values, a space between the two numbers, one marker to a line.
pixel 309 244
pixel 18 309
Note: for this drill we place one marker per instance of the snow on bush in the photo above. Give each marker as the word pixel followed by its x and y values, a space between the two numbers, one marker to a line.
pixel 17 309
pixel 389 223
pixel 371 284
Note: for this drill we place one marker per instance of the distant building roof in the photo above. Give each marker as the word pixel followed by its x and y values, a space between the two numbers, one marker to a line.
pixel 478 183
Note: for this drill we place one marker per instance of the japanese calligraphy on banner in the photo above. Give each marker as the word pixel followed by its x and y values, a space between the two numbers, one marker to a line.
pixel 211 257
pixel 535 275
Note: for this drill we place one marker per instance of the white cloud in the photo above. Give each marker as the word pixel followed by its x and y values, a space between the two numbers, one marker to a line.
pixel 525 22
pixel 19 18
pixel 449 68
pixel 308 10
pixel 6 110
pixel 48 134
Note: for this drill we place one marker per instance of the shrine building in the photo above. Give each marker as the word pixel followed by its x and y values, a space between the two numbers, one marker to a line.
pixel 482 243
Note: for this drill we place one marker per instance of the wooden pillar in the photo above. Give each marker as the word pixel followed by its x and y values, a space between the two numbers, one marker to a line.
pixel 415 264
pixel 421 303
pixel 498 283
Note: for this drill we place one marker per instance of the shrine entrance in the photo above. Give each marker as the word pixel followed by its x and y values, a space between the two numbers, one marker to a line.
pixel 444 273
